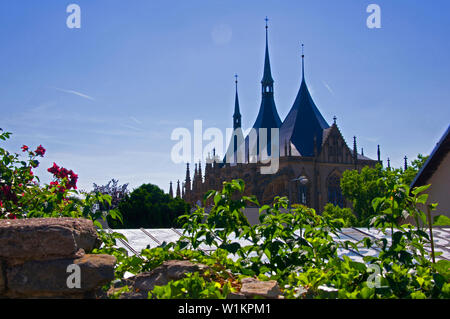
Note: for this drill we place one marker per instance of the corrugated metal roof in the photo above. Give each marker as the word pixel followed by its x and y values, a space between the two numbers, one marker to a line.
pixel 139 239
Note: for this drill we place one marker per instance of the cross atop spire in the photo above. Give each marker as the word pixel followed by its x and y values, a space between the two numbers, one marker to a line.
pixel 267 20
pixel 334 119
pixel 303 61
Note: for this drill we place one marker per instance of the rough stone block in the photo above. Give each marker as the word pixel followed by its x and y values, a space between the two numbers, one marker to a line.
pixel 48 278
pixel 252 287
pixel 141 284
pixel 46 238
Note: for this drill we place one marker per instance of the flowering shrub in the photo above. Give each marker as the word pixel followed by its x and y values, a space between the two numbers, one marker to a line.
pixel 22 195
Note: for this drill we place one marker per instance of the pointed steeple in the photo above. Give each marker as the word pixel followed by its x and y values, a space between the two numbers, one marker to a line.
pixel 188 179
pixel 237 113
pixel 378 153
pixel 267 79
pixel 406 163
pixel 236 146
pixel 304 121
pixel 303 63
pixel 178 189
pixel 170 190
pixel 195 178
pixel 355 152
pixel 268 116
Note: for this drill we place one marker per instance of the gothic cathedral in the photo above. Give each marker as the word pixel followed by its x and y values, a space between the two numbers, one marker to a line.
pixel 312 154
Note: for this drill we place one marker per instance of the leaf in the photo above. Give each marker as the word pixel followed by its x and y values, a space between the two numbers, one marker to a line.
pixel 441 220
pixel 439 280
pixel 376 202
pixel 367 293
pixel 267 252
pixel 422 199
pixel 232 248
pixel 418 295
pixel 98 224
pixel 420 280
pixel 263 208
pixel 420 189
pixel 367 242
pixel 396 238
pixel 443 268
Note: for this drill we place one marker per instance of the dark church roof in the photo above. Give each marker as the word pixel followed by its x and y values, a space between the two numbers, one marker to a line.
pixel 436 157
pixel 304 123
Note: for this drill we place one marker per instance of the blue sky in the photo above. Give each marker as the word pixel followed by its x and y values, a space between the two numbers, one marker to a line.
pixel 104 99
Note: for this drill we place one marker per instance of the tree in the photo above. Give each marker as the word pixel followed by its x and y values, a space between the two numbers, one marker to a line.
pixel 149 207
pixel 113 189
pixel 364 186
pixel 334 212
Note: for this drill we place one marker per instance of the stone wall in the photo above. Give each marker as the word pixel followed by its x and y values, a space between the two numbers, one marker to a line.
pixel 37 257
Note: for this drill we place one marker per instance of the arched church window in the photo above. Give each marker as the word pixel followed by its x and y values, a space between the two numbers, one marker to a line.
pixel 334 191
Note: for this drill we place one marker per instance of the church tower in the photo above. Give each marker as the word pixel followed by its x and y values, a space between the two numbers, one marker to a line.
pixel 170 190
pixel 236 152
pixel 268 116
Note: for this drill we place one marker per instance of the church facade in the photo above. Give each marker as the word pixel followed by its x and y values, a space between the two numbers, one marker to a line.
pixel 312 154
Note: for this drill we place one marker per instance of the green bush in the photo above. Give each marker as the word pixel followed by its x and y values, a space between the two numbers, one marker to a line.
pixel 333 212
pixel 149 207
pixel 362 187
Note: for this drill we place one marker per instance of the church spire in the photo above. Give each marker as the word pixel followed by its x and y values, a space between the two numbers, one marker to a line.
pixel 303 62
pixel 237 113
pixel 304 121
pixel 187 181
pixel 171 190
pixel 178 189
pixel 268 117
pixel 267 80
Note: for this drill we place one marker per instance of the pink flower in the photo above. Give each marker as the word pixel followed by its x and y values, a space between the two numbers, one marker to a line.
pixel 24 148
pixel 40 151
pixel 54 169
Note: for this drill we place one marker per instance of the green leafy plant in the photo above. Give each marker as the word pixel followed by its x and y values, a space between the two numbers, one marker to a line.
pixel 335 212
pixel 194 286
